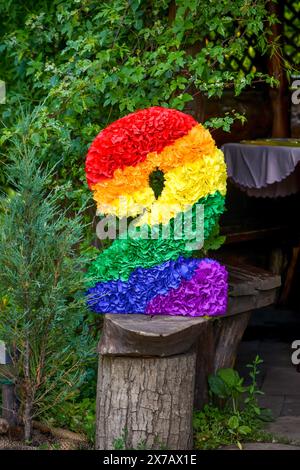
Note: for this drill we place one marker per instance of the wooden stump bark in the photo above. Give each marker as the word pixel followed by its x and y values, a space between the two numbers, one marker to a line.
pixel 228 334
pixel 146 402
pixel 9 405
pixel 217 348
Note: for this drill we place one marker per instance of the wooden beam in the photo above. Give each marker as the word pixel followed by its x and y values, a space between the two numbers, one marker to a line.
pixel 290 276
pixel 237 236
pixel 279 96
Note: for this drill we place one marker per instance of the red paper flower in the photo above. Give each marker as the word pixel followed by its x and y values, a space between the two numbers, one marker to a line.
pixel 128 141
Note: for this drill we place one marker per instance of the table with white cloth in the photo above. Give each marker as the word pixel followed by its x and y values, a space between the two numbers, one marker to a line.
pixel 268 168
pixel 264 168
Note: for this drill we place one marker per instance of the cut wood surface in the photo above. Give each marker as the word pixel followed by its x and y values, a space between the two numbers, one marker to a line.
pixel 143 335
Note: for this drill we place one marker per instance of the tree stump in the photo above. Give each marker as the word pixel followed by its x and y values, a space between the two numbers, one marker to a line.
pixel 146 381
pixel 153 369
pixel 149 401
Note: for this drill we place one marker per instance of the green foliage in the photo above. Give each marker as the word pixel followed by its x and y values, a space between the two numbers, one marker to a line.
pixel 89 62
pixel 77 65
pixel 291 32
pixel 214 241
pixel 76 415
pixel 41 282
pixel 237 417
pixel 120 443
pixel 226 121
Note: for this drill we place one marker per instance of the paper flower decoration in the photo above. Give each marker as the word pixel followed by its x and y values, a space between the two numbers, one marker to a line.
pixel 154 166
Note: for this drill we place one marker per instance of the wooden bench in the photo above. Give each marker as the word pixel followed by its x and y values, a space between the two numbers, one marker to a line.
pixel 153 370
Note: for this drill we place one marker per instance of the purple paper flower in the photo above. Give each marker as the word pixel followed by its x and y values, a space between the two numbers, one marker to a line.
pixel 187 286
pixel 204 294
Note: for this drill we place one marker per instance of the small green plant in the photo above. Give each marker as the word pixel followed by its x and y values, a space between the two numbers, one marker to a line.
pixel 233 414
pixel 77 415
pixel 120 443
pixel 48 446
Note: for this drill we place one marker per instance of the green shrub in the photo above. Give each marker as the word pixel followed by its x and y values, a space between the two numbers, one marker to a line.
pixel 88 62
pixel 41 283
pixel 76 415
pixel 236 417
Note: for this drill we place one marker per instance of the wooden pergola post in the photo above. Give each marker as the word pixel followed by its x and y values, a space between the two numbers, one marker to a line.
pixel 280 99
pixel 9 400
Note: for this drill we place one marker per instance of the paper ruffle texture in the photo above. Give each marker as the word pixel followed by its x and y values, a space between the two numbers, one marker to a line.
pixel 155 273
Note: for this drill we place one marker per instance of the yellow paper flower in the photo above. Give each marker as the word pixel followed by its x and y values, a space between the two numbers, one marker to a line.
pixel 128 193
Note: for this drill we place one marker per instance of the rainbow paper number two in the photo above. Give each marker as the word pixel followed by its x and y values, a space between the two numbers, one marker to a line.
pixel 160 170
